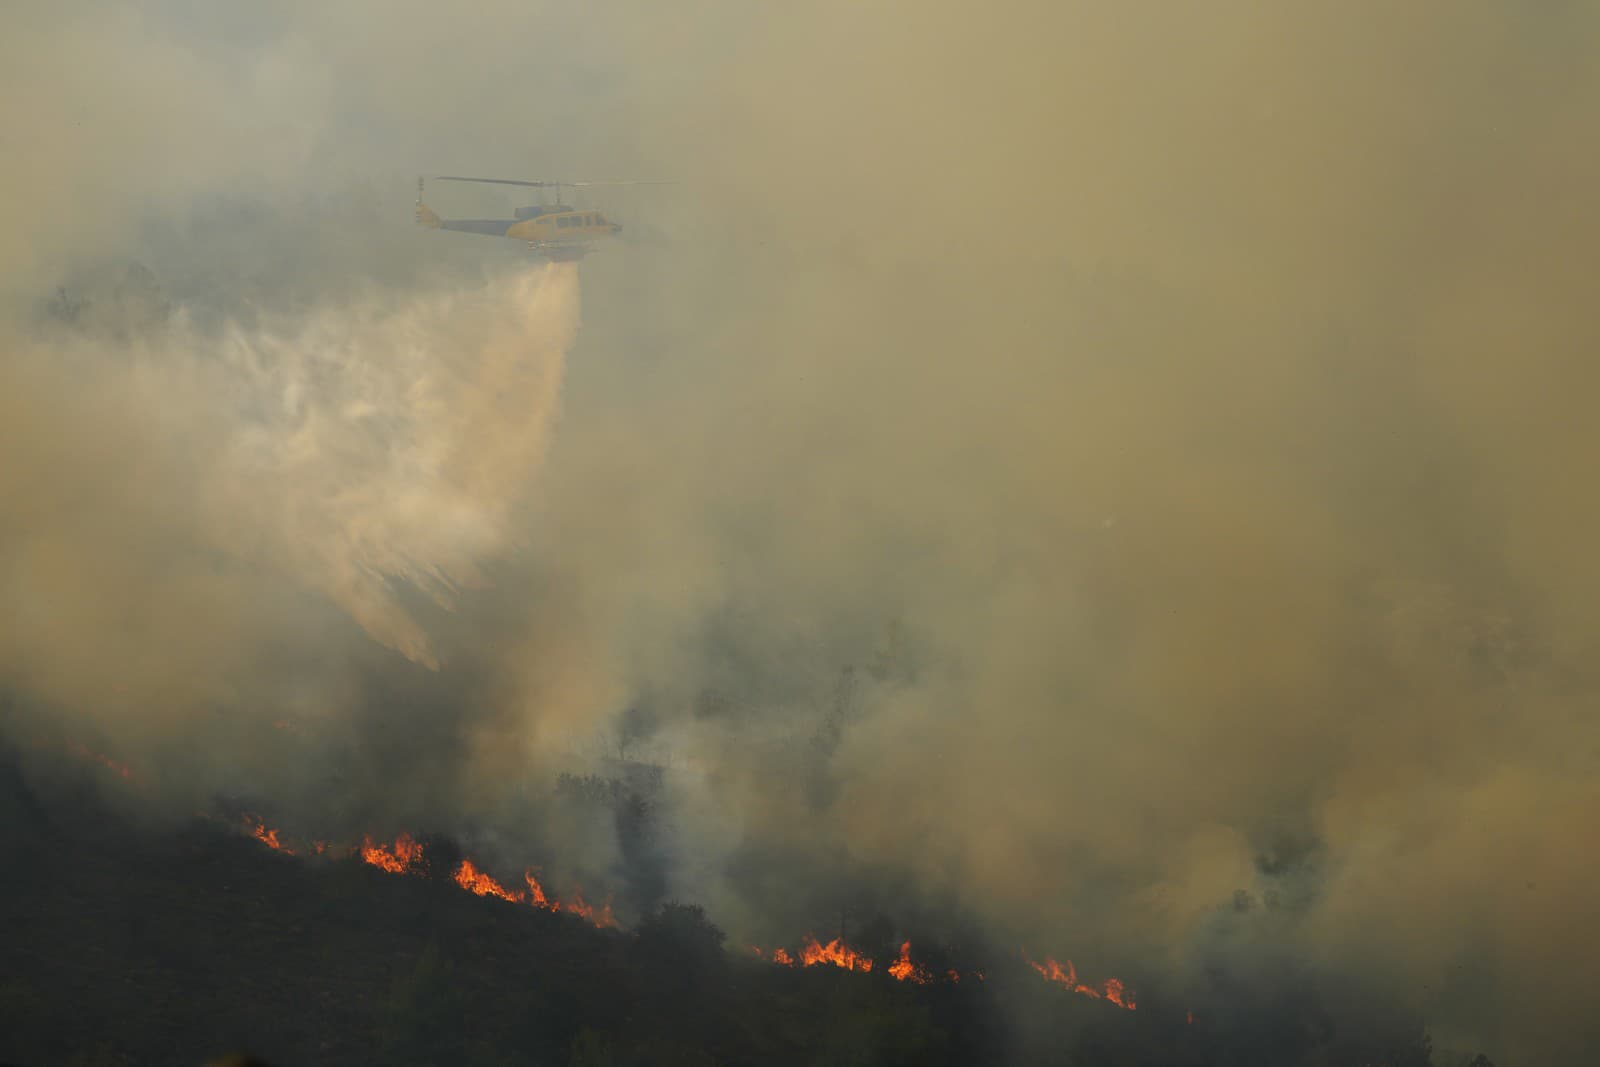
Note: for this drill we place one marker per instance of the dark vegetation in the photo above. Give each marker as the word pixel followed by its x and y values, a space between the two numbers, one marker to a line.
pixel 133 945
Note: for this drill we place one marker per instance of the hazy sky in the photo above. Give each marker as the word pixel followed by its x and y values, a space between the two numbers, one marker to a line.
pixel 1201 390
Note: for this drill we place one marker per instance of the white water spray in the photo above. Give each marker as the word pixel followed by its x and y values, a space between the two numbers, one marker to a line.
pixel 391 443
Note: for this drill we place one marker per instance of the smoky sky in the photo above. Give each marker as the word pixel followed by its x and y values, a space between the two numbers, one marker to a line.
pixel 1175 418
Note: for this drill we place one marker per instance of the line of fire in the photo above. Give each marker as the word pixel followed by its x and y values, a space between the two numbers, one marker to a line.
pixel 406 855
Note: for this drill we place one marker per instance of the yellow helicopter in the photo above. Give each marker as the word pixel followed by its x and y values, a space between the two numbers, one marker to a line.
pixel 556 231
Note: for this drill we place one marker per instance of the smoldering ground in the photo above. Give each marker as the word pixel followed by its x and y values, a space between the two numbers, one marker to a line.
pixel 1202 393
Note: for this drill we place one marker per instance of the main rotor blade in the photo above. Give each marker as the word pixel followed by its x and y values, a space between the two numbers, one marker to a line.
pixel 638 181
pixel 494 181
pixel 550 185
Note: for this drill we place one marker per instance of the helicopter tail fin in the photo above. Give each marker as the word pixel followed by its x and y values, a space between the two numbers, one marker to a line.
pixel 425 215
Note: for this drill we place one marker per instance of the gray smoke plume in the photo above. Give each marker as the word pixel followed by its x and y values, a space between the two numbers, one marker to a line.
pixel 1076 467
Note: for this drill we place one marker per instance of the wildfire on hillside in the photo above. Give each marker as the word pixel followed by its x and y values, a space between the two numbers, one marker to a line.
pixel 1113 991
pixel 122 770
pixel 468 877
pixel 537 895
pixel 835 952
pixel 404 856
pixel 904 970
pixel 396 860
pixel 405 853
pixel 267 836
pixel 89 755
pixel 600 917
pixel 840 954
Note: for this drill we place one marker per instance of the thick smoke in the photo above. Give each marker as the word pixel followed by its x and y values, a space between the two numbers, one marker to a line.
pixel 1175 419
pixel 358 449
pixel 389 445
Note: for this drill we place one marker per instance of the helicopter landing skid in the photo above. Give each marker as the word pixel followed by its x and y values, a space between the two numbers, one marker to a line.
pixel 558 253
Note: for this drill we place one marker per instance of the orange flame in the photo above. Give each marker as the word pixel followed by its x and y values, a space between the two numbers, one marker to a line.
pixel 122 770
pixel 835 952
pixel 267 836
pixel 1051 971
pixel 904 970
pixel 468 877
pixel 536 894
pixel 841 955
pixel 397 860
pixel 602 918
pixel 406 851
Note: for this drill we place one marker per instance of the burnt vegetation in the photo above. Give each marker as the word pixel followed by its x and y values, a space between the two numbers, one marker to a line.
pixel 130 944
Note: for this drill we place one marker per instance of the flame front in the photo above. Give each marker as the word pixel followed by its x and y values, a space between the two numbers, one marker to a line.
pixel 267 836
pixel 121 770
pixel 835 952
pixel 601 918
pixel 841 955
pixel 396 860
pixel 536 893
pixel 402 857
pixel 468 877
pixel 904 970
pixel 1051 971
pixel 1118 994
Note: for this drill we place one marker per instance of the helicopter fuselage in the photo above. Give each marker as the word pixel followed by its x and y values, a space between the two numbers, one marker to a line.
pixel 557 231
